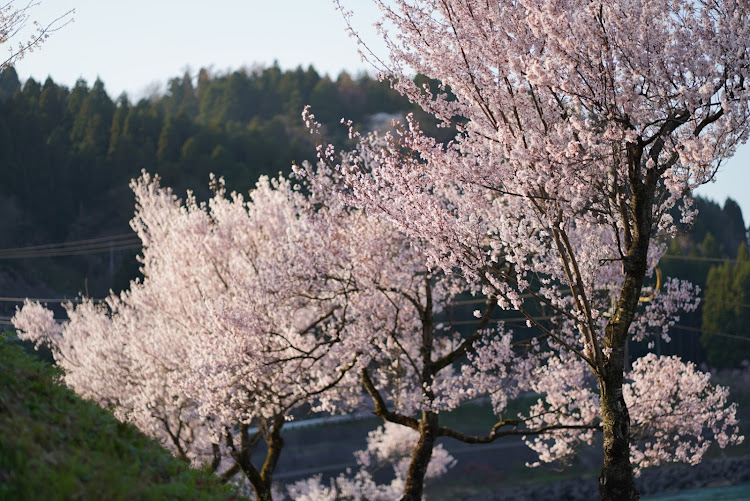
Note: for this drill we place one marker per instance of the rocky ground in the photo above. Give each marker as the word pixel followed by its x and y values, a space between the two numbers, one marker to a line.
pixel 727 471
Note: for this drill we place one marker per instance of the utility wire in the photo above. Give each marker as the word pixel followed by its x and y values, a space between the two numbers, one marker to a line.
pixel 72 242
pixel 72 251
pixel 39 300
pixel 6 319
pixel 711 333
pixel 502 320
pixel 481 300
pixel 725 303
pixel 700 258
pixel 76 247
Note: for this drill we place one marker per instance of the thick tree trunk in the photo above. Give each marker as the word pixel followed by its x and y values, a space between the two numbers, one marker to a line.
pixel 262 491
pixel 420 458
pixel 263 479
pixel 275 444
pixel 616 481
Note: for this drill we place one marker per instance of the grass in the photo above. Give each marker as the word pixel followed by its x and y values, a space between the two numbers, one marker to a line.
pixel 479 417
pixel 53 445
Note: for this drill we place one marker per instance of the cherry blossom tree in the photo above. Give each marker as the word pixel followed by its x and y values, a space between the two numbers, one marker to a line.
pixel 134 376
pixel 418 365
pixel 231 331
pixel 414 363
pixel 580 125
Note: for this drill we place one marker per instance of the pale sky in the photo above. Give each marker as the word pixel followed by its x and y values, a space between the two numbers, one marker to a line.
pixel 137 46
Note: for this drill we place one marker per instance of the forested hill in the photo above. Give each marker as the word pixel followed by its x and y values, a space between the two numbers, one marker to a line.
pixel 69 153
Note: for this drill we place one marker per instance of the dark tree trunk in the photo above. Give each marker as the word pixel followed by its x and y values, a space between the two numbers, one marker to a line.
pixel 261 480
pixel 262 491
pixel 428 424
pixel 420 458
pixel 275 444
pixel 616 481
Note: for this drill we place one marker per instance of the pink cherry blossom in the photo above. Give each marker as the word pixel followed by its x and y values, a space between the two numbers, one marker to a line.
pixel 580 126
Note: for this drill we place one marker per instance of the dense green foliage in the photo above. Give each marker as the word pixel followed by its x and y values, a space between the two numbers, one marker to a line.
pixel 76 149
pixel 699 255
pixel 727 310
pixel 54 445
pixel 716 234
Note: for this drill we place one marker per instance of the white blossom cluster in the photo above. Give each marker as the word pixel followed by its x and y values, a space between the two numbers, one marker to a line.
pixel 390 444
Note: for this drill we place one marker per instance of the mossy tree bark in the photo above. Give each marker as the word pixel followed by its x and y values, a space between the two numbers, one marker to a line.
pixel 420 458
pixel 262 479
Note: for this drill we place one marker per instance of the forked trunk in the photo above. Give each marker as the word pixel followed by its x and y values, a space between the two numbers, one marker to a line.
pixel 420 457
pixel 263 479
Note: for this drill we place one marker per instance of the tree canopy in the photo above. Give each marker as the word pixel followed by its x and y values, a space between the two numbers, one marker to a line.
pixel 580 127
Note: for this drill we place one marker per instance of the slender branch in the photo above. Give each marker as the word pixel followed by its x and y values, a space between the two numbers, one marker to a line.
pixel 242 456
pixel 216 461
pixel 175 437
pixel 708 120
pixel 468 344
pixel 495 433
pixel 480 99
pixel 595 348
pixel 231 472
pixel 381 409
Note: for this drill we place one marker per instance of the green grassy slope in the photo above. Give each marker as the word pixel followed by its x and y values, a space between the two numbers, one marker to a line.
pixel 53 445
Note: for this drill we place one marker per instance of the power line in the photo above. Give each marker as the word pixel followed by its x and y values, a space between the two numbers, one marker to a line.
pixel 72 251
pixel 72 242
pixel 4 319
pixel 89 246
pixel 503 320
pixel 483 300
pixel 711 333
pixel 469 301
pixel 38 299
pixel 700 258
pixel 725 303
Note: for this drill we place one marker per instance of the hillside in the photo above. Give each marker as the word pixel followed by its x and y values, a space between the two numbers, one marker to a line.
pixel 69 154
pixel 54 445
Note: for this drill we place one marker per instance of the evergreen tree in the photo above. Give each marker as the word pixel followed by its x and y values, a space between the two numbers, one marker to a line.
pixel 9 83
pixel 726 313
